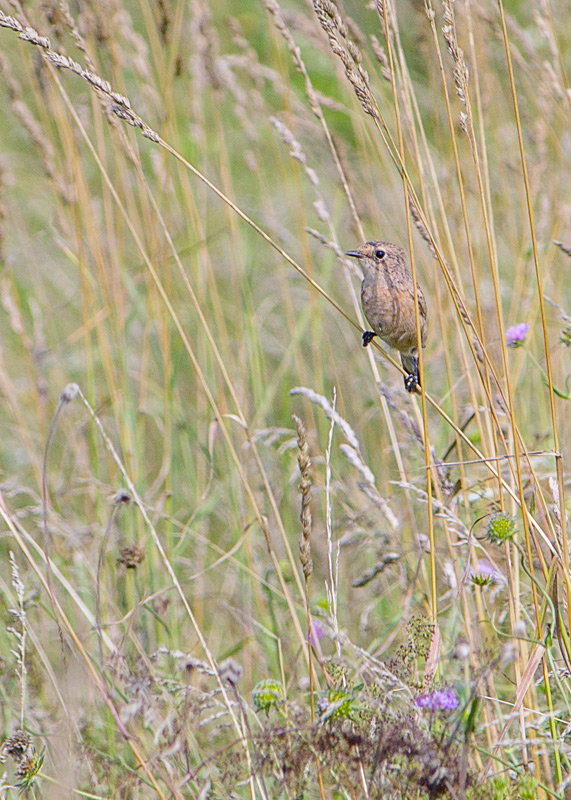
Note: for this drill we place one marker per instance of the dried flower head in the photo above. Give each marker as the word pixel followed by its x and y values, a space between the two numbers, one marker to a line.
pixel 69 393
pixel 131 556
pixel 515 336
pixel 461 650
pixel 508 654
pixel 28 769
pixel 121 497
pixel 229 670
pixel 16 745
pixel 501 528
pixel 519 629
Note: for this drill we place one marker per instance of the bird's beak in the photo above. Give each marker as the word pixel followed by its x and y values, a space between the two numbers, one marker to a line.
pixel 354 253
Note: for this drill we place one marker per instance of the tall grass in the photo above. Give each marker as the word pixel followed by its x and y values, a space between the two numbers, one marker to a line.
pixel 181 351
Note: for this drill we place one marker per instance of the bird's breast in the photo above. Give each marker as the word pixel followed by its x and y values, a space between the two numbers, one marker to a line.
pixel 388 306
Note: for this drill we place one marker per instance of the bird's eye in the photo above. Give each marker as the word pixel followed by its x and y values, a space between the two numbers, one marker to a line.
pixel 379 254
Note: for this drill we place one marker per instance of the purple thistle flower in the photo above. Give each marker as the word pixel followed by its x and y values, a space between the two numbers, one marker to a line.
pixel 317 631
pixel 439 699
pixel 515 336
pixel 485 573
pixel 323 705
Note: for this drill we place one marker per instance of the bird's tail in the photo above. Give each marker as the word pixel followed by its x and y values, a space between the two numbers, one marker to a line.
pixel 410 366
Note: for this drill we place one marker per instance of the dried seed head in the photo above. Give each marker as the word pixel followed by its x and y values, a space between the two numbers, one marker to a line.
pixel 69 393
pixel 28 769
pixel 229 670
pixel 305 490
pixel 461 650
pixel 121 497
pixel 16 745
pixel 347 51
pixel 131 556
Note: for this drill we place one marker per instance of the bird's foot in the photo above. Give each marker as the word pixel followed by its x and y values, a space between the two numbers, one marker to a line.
pixel 411 382
pixel 368 337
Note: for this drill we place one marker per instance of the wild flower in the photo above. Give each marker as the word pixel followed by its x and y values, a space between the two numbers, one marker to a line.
pixel 317 631
pixel 486 574
pixel 515 336
pixel 439 700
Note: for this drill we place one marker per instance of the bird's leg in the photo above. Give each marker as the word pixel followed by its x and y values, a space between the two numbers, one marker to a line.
pixel 368 336
pixel 409 362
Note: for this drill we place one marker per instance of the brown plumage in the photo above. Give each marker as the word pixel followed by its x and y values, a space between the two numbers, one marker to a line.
pixel 387 297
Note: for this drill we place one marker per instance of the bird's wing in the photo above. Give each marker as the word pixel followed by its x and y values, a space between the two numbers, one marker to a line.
pixel 421 301
pixel 423 311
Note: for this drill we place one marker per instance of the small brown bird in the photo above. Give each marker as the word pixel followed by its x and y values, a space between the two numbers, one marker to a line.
pixel 387 297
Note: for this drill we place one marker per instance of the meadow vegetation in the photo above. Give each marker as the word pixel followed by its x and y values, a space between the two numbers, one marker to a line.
pixel 238 559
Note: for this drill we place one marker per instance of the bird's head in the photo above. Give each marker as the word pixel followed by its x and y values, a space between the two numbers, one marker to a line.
pixel 377 256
